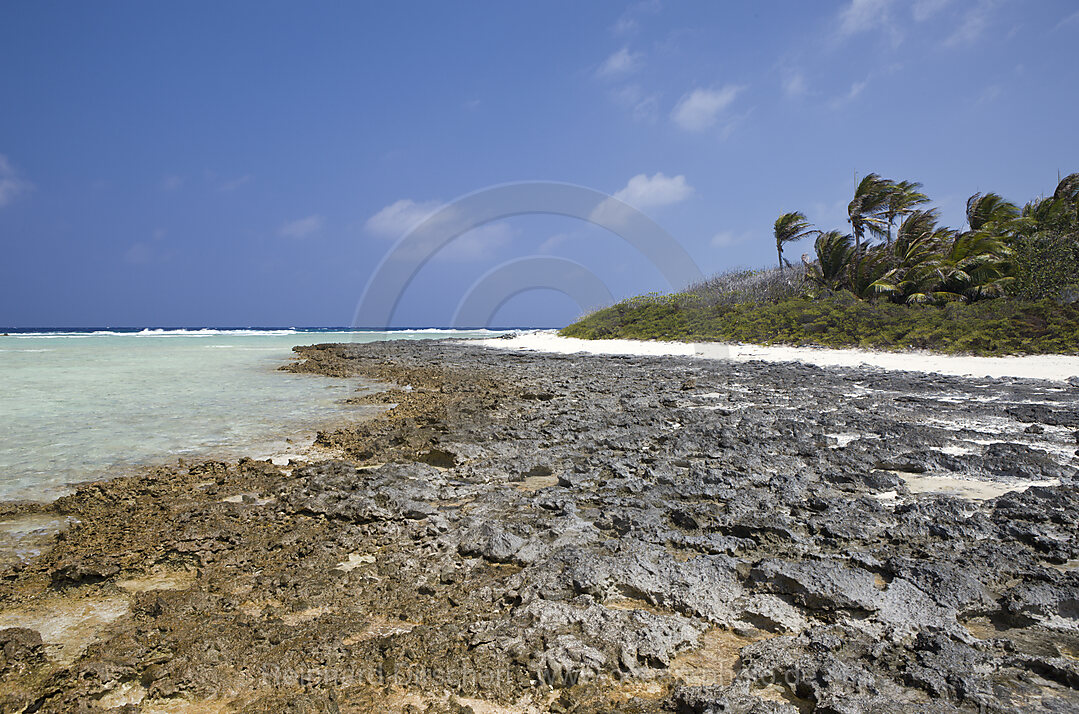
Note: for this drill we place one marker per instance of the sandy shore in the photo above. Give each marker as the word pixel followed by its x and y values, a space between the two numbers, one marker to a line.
pixel 1058 368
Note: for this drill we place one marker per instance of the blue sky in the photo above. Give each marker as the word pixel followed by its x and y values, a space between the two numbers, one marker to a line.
pixel 250 163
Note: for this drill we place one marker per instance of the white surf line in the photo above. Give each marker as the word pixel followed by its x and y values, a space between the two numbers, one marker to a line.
pixel 1057 368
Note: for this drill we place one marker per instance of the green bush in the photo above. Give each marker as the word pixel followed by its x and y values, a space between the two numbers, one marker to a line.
pixel 989 327
pixel 1046 265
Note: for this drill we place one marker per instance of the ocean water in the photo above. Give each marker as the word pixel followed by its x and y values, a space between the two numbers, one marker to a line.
pixel 79 406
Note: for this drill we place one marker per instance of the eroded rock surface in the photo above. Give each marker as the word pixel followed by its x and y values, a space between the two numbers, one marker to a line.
pixel 526 532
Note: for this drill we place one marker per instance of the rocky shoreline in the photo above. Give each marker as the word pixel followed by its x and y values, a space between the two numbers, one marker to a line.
pixel 526 532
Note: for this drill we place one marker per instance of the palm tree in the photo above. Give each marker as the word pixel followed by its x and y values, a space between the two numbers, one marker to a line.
pixel 869 271
pixel 990 210
pixel 865 210
pixel 1059 212
pixel 788 228
pixel 976 266
pixel 902 199
pixel 1067 194
pixel 1068 190
pixel 916 252
pixel 834 253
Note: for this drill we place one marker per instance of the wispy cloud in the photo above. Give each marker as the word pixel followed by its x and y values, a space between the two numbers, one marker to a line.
pixel 629 22
pixel 794 83
pixel 990 94
pixel 700 109
pixel 171 182
pixel 925 9
pixel 302 227
pixel 642 105
pixel 471 242
pixel 553 242
pixel 864 15
pixel 400 217
pixel 12 183
pixel 149 251
pixel 861 16
pixel 856 88
pixel 729 239
pixel 233 184
pixel 620 63
pixel 972 27
pixel 1069 20
pixel 480 243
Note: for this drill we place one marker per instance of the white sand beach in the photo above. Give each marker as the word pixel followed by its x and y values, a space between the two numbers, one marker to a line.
pixel 1058 368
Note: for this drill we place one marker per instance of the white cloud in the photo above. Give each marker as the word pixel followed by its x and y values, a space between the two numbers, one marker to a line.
pixel 138 254
pixel 625 26
pixel 643 193
pixel 400 217
pixel 794 83
pixel 234 184
pixel 925 9
pixel 646 192
pixel 472 243
pixel 974 24
pixel 856 88
pixel 477 244
pixel 990 94
pixel 171 182
pixel 643 106
pixel 700 109
pixel 629 23
pixel 1067 20
pixel 863 15
pixel 148 251
pixel 553 242
pixel 728 239
pixel 620 63
pixel 733 123
pixel 12 184
pixel 302 227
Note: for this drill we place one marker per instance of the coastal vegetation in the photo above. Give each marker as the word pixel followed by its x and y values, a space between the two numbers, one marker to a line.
pixel 894 278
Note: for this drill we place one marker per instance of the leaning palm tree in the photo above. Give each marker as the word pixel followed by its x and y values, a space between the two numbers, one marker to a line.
pixel 1068 189
pixel 976 265
pixel 903 198
pixel 1067 193
pixel 1059 212
pixel 990 209
pixel 788 228
pixel 865 210
pixel 1043 213
pixel 834 253
pixel 869 272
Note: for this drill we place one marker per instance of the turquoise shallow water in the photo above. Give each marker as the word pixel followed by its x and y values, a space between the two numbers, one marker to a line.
pixel 81 406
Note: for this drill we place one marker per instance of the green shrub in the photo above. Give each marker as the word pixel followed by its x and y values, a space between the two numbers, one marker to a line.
pixel 986 327
pixel 1046 265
